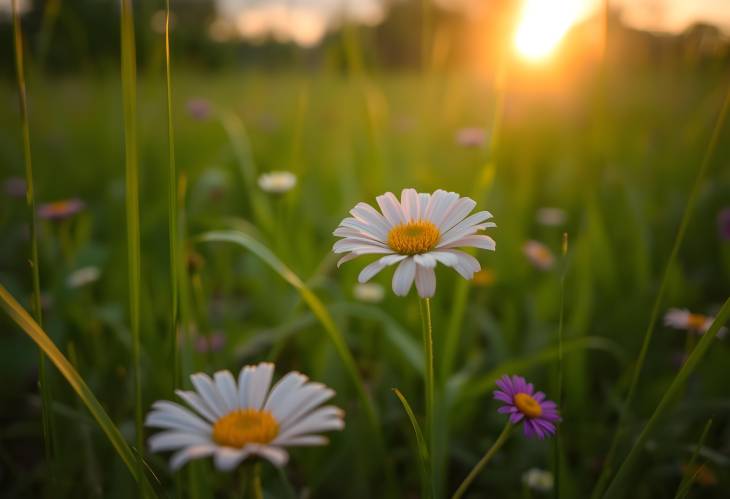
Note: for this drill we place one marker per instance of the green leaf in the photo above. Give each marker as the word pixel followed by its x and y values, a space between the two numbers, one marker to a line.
pixel 689 479
pixel 421 443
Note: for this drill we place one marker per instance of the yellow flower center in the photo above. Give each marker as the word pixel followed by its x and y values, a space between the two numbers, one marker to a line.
pixel 528 405
pixel 245 426
pixel 413 238
pixel 696 322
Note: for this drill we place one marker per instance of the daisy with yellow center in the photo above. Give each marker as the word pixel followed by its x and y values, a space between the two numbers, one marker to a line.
pixel 416 232
pixel 688 321
pixel 233 421
pixel 539 255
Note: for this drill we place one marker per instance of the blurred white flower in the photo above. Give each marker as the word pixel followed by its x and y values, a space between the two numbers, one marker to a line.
pixel 539 255
pixel 369 292
pixel 277 182
pixel 550 216
pixel 83 276
pixel 681 318
pixel 303 23
pixel 538 480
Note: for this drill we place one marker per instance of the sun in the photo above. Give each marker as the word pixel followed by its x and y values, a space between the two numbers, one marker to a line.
pixel 544 23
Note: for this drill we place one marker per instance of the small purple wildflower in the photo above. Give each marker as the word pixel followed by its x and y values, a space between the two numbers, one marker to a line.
pixel 199 109
pixel 214 343
pixel 14 187
pixel 523 404
pixel 723 223
pixel 59 210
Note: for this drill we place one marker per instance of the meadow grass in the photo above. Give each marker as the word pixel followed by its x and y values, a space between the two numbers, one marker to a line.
pixel 349 139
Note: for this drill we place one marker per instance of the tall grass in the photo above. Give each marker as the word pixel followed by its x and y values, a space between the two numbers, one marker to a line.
pixel 129 100
pixel 49 433
pixel 659 300
pixel 172 206
pixel 40 337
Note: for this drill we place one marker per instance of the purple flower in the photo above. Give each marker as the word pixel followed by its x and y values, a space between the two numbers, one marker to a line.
pixel 523 404
pixel 58 210
pixel 14 187
pixel 723 223
pixel 199 109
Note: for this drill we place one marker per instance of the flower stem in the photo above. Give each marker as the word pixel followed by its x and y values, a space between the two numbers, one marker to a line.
pixel 252 482
pixel 425 308
pixel 483 461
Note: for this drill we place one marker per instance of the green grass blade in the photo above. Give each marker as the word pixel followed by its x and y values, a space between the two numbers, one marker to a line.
pixel 172 204
pixel 688 211
pixel 688 479
pixel 32 329
pixel 486 382
pixel 317 308
pixel 129 99
pixel 557 443
pixel 617 485
pixel 49 433
pixel 423 458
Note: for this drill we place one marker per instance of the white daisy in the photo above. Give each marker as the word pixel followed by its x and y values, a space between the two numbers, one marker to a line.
pixel 233 421
pixel 416 232
pixel 277 182
pixel 681 318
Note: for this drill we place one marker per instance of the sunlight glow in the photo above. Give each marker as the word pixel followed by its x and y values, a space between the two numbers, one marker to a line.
pixel 544 23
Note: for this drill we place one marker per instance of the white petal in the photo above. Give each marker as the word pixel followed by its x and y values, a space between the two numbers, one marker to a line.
pixel 346 258
pixel 371 270
pixel 403 277
pixel 209 393
pixel 351 244
pixel 276 455
pixel 443 208
pixel 447 258
pixel 227 388
pixel 283 389
pixel 391 208
pixel 348 232
pixel 303 441
pixel 434 201
pixel 484 242
pixel 466 264
pixel 310 396
pixel 227 458
pixel 173 440
pixel 423 199
pixel 369 215
pixel 425 281
pixel 176 417
pixel 258 385
pixel 323 419
pixel 196 402
pixel 469 221
pixel 176 412
pixel 425 260
pixel 459 210
pixel 194 452
pixel 409 203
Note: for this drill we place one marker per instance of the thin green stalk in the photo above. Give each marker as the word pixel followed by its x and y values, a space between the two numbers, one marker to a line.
pixel 172 204
pixel 561 324
pixel 426 487
pixel 252 487
pixel 484 460
pixel 688 211
pixel 688 479
pixel 427 330
pixel 616 486
pixel 49 433
pixel 129 99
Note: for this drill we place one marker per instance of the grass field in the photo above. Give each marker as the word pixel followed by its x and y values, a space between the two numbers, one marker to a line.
pixel 619 154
